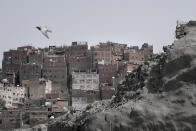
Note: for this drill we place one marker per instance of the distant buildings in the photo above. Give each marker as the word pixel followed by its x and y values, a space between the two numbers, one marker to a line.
pixel 47 81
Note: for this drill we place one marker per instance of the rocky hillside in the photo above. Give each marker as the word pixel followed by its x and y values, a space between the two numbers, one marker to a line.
pixel 158 96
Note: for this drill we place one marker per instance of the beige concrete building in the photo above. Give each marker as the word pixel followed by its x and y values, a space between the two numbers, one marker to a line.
pixel 85 89
pixel 13 96
pixel 85 81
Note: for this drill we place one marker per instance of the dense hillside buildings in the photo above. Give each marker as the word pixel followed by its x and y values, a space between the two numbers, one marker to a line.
pixel 44 82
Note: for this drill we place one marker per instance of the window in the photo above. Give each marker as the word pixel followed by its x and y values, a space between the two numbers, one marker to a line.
pixel 81 86
pixel 75 81
pixel 89 87
pixel 81 81
pixel 89 76
pixel 83 76
pixel 11 120
pixel 95 81
pixel 88 81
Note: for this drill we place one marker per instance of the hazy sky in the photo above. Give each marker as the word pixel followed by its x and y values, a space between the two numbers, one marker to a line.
pixel 125 21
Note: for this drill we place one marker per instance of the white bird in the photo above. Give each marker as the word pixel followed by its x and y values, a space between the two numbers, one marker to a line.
pixel 44 30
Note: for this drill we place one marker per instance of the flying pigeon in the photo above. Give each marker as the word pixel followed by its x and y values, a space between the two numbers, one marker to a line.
pixel 44 30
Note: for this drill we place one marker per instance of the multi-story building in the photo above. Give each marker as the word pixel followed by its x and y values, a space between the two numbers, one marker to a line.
pixel 106 72
pixel 37 115
pixel 85 81
pixel 85 89
pixel 78 49
pixel 11 119
pixel 118 49
pixel 38 88
pixel 82 63
pixel 55 68
pixel 136 55
pixel 27 48
pixel 13 96
pixel 30 71
pixel 57 105
pixel 107 91
pixel 147 51
pixel 13 61
pixel 102 53
pixel 36 57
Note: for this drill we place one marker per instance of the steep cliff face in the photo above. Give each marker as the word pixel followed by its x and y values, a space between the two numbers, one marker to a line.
pixel 158 96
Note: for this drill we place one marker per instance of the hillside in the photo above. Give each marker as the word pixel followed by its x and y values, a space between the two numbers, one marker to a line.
pixel 160 95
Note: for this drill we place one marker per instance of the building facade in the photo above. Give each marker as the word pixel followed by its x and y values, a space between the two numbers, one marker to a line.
pixel 13 96
pixel 85 89
pixel 102 53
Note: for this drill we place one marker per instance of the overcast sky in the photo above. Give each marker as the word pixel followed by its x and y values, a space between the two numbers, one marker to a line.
pixel 133 22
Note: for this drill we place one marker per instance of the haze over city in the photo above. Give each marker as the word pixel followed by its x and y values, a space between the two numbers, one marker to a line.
pixel 126 21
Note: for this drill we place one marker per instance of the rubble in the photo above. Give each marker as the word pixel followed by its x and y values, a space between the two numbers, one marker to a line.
pixel 41 127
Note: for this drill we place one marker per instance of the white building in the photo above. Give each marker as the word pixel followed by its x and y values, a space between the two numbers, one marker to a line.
pixel 85 81
pixel 13 96
pixel 85 89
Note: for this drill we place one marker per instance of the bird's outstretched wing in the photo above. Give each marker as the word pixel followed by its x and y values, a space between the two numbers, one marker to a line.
pixel 37 27
pixel 44 31
pixel 49 31
pixel 46 35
